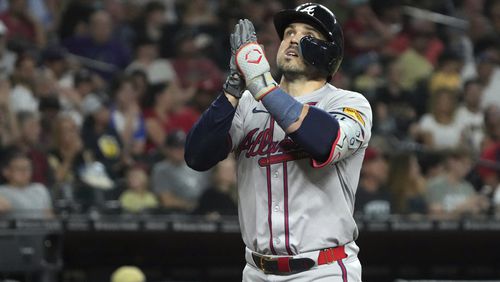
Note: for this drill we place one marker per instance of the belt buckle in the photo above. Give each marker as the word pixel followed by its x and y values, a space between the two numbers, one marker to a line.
pixel 262 260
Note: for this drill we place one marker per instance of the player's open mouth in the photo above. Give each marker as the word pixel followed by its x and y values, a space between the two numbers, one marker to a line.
pixel 291 53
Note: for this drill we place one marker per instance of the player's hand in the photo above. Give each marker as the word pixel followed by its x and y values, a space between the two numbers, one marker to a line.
pixel 251 60
pixel 235 84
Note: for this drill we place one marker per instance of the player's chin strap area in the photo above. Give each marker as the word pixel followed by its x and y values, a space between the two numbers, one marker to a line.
pixel 287 265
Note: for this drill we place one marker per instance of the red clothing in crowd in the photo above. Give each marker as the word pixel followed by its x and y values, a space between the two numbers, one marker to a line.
pixel 182 119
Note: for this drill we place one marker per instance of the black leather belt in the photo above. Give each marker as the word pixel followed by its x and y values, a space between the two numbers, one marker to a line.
pixel 282 265
pixel 286 265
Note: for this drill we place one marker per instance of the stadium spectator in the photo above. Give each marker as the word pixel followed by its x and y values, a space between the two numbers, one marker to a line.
pixel 372 197
pixel 100 138
pixel 29 144
pixel 407 185
pixel 24 30
pixel 440 129
pixel 19 196
pixel 447 73
pixel 364 31
pixel 220 198
pixel 469 114
pixel 100 45
pixel 489 158
pixel 192 66
pixel 158 70
pixel 167 113
pixel 137 197
pixel 127 119
pixel 488 73
pixel 450 195
pixel 394 110
pixel 22 96
pixel 413 62
pixel 66 156
pixel 178 186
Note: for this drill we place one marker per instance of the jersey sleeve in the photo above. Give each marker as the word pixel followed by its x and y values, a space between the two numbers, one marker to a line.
pixel 236 132
pixel 354 114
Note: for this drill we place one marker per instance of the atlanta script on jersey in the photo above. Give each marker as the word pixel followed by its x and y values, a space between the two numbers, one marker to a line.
pixel 289 203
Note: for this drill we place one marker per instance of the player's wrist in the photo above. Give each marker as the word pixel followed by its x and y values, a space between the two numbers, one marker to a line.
pixel 262 85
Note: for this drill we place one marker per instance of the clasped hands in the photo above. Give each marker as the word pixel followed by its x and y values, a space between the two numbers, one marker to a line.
pixel 248 66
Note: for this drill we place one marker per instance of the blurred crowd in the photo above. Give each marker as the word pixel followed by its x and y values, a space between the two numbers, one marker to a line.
pixel 97 97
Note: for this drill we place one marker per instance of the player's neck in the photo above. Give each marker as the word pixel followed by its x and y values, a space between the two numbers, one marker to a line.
pixel 299 86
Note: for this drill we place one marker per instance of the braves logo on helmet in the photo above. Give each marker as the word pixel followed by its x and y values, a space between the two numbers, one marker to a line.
pixel 253 56
pixel 308 9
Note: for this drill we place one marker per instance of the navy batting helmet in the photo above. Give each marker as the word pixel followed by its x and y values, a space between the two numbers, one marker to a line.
pixel 327 55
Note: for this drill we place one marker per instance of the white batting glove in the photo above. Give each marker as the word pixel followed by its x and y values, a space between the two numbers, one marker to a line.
pixel 251 60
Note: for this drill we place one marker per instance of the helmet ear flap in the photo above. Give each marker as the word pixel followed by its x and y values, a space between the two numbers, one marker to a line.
pixel 323 55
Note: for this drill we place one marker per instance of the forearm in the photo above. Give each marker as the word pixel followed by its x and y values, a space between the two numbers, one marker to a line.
pixel 208 142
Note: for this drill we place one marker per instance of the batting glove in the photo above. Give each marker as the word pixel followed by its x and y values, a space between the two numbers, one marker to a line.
pixel 235 84
pixel 251 60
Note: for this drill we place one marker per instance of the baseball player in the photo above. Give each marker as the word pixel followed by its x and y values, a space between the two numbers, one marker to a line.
pixel 299 146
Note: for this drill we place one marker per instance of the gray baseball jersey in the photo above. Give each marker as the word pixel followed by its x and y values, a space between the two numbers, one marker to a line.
pixel 288 203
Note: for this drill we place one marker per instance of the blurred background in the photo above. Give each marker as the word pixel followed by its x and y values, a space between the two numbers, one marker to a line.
pixel 97 96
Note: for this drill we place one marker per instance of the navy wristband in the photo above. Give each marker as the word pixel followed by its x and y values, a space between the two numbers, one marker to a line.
pixel 283 107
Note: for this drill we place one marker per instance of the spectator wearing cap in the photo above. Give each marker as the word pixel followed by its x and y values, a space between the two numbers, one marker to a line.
pixel 372 197
pixel 178 186
pixel 100 45
pixel 7 57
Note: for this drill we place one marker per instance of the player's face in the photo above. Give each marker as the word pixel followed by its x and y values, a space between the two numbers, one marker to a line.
pixel 288 58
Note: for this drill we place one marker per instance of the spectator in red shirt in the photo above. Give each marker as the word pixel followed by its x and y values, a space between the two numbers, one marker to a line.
pixel 23 28
pixel 168 113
